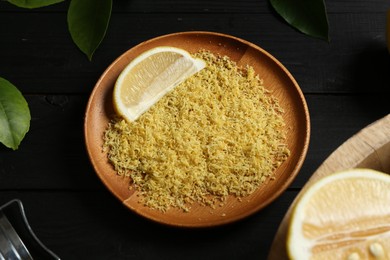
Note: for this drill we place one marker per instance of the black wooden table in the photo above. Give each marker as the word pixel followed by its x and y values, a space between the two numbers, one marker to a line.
pixel 346 83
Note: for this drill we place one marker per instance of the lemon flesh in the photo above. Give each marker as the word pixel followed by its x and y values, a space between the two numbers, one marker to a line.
pixel 149 77
pixel 343 216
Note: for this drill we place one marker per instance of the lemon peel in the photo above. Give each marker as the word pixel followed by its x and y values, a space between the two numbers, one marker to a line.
pixel 149 77
pixel 342 216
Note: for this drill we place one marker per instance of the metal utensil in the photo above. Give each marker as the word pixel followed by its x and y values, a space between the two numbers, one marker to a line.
pixel 11 246
pixel 17 240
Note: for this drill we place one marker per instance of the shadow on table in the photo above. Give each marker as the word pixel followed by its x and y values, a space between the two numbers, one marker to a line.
pixel 371 71
pixel 123 234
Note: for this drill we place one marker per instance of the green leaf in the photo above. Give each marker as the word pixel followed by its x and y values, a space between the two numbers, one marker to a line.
pixel 87 23
pixel 308 16
pixel 14 115
pixel 33 3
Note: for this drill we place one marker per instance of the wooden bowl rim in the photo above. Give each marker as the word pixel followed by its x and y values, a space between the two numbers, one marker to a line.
pixel 209 221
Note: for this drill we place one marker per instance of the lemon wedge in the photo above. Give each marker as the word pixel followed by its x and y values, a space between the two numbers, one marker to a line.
pixel 149 77
pixel 345 215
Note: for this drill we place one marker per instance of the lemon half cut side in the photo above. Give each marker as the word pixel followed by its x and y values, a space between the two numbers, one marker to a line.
pixel 149 77
pixel 345 215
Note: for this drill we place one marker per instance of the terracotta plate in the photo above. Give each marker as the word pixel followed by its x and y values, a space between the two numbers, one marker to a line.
pixel 276 78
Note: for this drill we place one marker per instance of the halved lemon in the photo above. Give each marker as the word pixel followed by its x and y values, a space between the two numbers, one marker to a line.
pixel 149 77
pixel 345 215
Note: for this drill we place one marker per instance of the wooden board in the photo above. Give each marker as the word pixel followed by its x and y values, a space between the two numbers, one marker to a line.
pixel 370 148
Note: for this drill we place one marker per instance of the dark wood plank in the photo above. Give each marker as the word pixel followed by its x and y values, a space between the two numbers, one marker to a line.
pixel 162 6
pixel 334 119
pixel 346 84
pixel 39 56
pixel 53 156
pixel 93 225
pixel 206 6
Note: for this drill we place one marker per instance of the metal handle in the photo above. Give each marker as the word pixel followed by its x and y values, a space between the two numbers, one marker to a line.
pixel 11 246
pixel 17 239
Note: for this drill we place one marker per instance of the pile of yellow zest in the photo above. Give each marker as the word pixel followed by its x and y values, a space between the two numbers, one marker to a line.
pixel 217 134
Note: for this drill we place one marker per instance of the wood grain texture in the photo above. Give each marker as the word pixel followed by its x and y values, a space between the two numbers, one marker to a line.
pixel 355 58
pixel 370 148
pixel 345 82
pixel 205 6
pixel 94 225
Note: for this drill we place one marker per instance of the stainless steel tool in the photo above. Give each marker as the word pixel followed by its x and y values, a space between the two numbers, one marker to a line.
pixel 17 240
